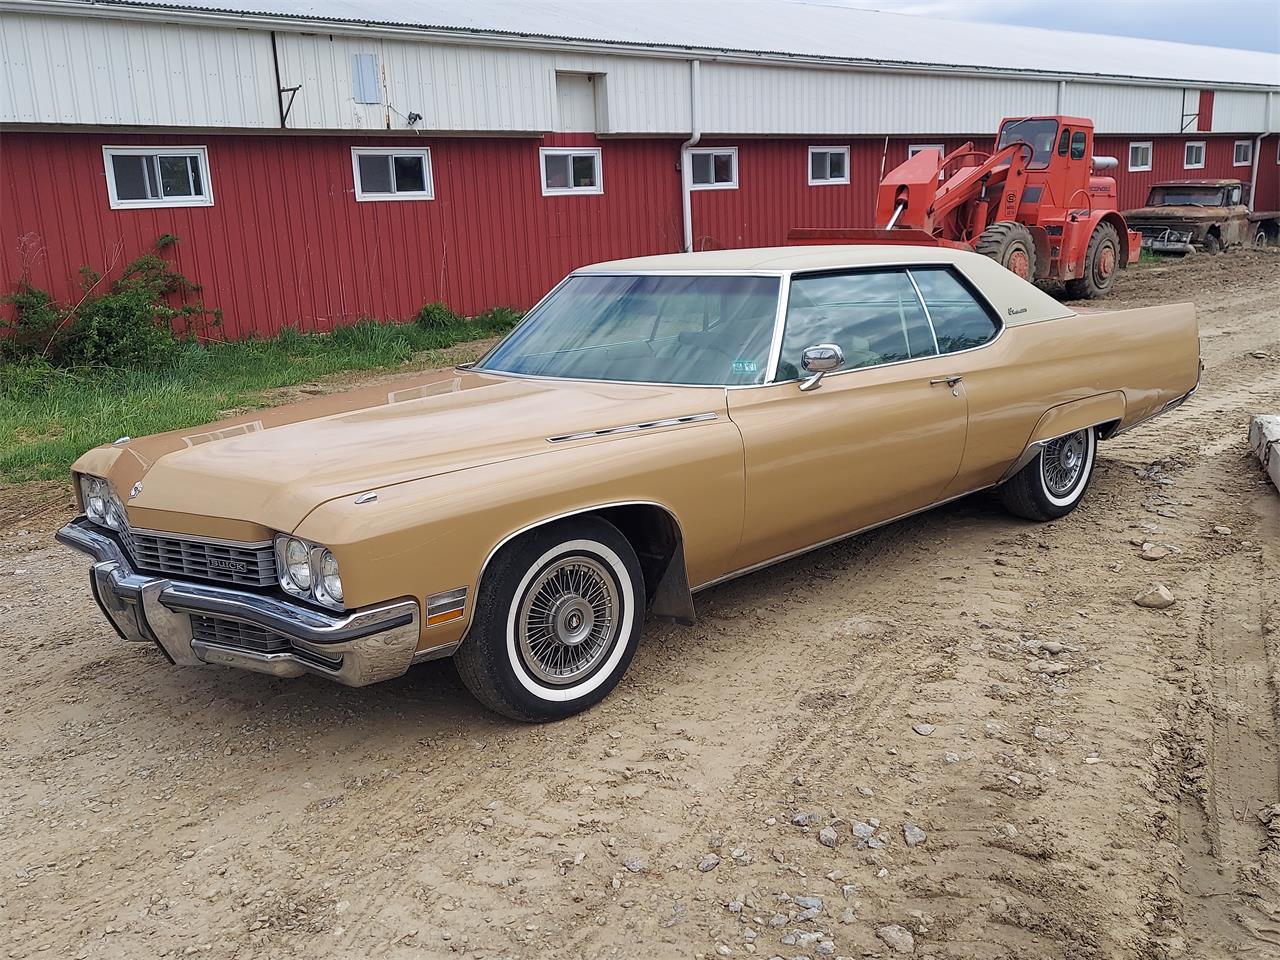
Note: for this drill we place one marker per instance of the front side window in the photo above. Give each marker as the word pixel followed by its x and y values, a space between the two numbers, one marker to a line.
pixel 1193 155
pixel 714 168
pixel 1140 156
pixel 392 174
pixel 1039 134
pixel 571 171
pixel 1242 155
pixel 960 320
pixel 875 317
pixel 158 177
pixel 828 165
pixel 1078 141
pixel 646 328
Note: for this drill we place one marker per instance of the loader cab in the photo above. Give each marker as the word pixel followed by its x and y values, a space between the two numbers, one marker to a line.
pixel 1058 170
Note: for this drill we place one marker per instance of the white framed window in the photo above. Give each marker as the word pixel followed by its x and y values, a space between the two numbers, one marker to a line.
pixel 714 168
pixel 1139 156
pixel 567 170
pixel 157 177
pixel 392 173
pixel 828 165
pixel 1193 155
pixel 1242 153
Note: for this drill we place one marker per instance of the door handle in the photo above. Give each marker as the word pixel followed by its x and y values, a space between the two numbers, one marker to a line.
pixel 949 381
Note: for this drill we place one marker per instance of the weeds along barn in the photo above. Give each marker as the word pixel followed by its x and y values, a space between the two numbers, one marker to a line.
pixel 355 161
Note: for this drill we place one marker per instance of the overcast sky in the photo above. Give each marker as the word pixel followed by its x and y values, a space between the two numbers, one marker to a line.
pixel 1243 24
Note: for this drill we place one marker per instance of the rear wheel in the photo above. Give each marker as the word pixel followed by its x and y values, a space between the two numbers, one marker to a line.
pixel 1101 261
pixel 1009 244
pixel 1053 483
pixel 557 621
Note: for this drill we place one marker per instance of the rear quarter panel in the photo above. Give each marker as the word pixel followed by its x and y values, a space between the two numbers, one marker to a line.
pixel 1148 356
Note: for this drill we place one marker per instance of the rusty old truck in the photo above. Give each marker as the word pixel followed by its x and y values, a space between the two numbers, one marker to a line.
pixel 1183 216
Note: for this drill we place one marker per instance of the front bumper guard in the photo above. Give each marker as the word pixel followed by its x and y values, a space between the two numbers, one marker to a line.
pixel 356 649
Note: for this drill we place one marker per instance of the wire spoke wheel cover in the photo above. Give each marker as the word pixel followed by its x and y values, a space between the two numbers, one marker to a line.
pixel 1062 463
pixel 568 620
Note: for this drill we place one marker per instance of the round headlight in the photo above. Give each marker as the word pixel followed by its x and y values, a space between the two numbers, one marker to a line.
pixel 297 563
pixel 96 494
pixel 330 583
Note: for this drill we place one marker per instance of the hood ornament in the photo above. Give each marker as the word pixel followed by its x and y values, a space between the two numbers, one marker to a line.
pixel 135 490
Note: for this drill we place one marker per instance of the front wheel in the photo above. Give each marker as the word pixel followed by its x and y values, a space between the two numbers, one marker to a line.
pixel 1053 483
pixel 1101 261
pixel 557 621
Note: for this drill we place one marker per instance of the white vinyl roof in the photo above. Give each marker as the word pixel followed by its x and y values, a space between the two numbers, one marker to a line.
pixel 794 28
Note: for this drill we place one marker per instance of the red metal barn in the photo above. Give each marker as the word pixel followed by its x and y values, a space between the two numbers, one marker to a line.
pixel 318 170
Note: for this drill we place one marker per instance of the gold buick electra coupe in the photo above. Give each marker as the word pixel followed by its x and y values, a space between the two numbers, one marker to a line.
pixel 653 426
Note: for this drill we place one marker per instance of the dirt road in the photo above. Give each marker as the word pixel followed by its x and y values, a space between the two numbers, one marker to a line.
pixel 1016 760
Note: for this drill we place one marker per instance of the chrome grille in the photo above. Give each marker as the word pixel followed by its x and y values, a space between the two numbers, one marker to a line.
pixel 237 635
pixel 247 564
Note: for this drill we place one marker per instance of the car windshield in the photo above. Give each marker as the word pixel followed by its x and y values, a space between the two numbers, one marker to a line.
pixel 1174 196
pixel 646 328
pixel 1040 134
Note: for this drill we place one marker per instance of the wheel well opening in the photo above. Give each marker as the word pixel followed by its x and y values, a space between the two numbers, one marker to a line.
pixel 1215 231
pixel 1106 430
pixel 653 535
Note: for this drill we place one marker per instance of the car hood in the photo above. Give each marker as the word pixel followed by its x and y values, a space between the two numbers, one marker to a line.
pixel 274 466
pixel 1173 212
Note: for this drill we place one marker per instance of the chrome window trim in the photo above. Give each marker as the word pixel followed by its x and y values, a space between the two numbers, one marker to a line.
pixel 933 331
pixel 784 299
pixel 634 427
pixel 1001 327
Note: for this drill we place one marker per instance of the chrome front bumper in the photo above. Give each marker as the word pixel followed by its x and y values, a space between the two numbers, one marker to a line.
pixel 359 648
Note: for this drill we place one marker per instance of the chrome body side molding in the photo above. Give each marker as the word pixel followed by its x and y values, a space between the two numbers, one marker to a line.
pixel 634 427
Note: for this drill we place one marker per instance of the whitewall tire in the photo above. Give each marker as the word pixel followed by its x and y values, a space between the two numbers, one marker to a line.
pixel 557 620
pixel 1053 483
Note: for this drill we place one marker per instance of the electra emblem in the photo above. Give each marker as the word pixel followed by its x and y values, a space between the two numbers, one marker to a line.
pixel 135 490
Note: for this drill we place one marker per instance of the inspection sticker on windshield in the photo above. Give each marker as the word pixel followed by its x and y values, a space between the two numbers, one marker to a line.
pixel 744 366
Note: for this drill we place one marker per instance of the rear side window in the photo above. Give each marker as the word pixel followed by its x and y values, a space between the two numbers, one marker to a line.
pixel 875 317
pixel 960 320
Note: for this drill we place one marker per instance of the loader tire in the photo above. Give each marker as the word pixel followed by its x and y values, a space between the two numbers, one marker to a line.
pixel 1009 244
pixel 1101 262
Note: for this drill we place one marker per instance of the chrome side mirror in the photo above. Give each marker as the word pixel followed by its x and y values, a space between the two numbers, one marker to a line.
pixel 820 360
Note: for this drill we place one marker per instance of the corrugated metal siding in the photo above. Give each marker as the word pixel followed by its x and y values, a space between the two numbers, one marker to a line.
pixel 1235 111
pixel 1123 109
pixel 286 243
pixel 473 89
pixel 73 70
pixel 739 99
pixel 1167 154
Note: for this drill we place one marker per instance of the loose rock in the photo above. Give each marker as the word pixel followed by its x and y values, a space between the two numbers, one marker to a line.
pixel 828 836
pixel 897 938
pixel 913 835
pixel 924 729
pixel 1156 597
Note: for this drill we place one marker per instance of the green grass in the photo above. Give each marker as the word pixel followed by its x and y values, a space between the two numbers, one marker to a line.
pixel 49 416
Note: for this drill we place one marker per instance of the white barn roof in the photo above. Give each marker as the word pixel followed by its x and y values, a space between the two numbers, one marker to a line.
pixel 779 28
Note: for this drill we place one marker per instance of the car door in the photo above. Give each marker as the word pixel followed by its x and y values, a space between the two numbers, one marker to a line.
pixel 878 438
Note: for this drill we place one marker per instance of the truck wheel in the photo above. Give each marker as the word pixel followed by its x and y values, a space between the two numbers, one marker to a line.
pixel 1101 260
pixel 1053 483
pixel 1009 244
pixel 1260 237
pixel 557 620
pixel 1212 245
